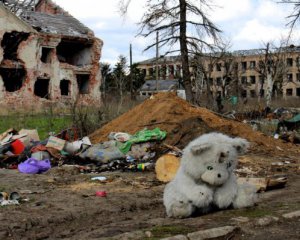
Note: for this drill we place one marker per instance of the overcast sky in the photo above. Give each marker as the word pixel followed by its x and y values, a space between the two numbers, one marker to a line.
pixel 246 23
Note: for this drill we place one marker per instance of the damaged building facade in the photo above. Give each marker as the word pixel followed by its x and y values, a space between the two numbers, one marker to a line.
pixel 46 55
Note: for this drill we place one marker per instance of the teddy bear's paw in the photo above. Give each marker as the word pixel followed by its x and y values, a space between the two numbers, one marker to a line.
pixel 203 197
pixel 223 200
pixel 180 209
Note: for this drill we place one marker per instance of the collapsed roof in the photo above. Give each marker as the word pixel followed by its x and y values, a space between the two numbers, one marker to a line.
pixel 60 23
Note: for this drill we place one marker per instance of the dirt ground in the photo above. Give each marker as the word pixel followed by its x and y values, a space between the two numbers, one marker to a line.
pixel 62 204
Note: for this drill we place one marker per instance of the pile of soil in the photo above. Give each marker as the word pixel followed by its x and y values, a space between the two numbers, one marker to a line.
pixel 184 122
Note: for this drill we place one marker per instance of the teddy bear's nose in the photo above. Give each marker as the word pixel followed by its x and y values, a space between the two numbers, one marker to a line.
pixel 219 175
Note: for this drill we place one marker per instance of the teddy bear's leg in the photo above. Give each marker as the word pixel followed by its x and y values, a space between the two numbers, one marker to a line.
pixel 177 205
pixel 224 195
pixel 246 196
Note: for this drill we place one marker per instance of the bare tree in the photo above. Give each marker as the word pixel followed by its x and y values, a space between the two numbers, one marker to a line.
pixel 182 22
pixel 272 68
pixel 295 15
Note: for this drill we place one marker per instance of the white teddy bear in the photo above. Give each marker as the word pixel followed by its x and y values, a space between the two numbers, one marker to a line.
pixel 205 177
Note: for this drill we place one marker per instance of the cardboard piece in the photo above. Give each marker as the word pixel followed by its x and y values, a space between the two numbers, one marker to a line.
pixel 57 143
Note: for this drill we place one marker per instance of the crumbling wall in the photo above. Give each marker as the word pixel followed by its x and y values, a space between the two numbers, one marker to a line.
pixel 35 73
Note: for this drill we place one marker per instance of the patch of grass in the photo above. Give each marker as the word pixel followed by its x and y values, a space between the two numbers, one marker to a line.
pixel 169 230
pixel 43 123
pixel 252 213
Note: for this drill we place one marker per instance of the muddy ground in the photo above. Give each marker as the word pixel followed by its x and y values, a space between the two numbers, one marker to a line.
pixel 61 204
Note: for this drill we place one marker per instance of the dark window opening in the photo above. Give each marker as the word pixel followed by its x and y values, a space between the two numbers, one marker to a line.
pixel 289 62
pixel 46 54
pixel 252 64
pixel 262 93
pixel 218 67
pixel 83 83
pixel 219 81
pixel 252 93
pixel 289 77
pixel 65 87
pixel 13 79
pixel 74 52
pixel 41 88
pixel 244 93
pixel 244 66
pixel 289 92
pixel 10 44
pixel 252 79
pixel 244 80
pixel 298 92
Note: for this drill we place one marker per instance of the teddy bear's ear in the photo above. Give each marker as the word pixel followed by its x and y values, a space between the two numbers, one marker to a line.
pixel 241 145
pixel 198 149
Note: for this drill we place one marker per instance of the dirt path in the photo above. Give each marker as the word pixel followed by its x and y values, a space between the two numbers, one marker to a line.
pixel 62 205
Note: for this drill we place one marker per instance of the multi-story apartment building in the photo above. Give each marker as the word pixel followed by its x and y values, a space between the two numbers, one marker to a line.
pixel 248 67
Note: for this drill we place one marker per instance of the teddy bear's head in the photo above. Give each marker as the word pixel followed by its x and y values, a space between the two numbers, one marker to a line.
pixel 211 158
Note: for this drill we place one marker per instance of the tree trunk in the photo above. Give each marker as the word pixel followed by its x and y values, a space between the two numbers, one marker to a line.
pixel 184 54
pixel 269 89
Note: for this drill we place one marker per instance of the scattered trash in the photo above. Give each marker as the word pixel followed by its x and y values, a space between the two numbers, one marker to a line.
pixel 101 194
pixel 100 178
pixel 9 199
pixel 57 143
pixel 33 166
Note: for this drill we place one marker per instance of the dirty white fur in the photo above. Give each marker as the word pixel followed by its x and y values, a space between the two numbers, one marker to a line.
pixel 205 177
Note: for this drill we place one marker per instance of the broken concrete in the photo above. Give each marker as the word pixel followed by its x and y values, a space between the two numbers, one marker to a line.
pixel 46 55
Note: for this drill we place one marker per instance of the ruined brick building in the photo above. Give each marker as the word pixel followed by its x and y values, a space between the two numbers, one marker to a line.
pixel 46 55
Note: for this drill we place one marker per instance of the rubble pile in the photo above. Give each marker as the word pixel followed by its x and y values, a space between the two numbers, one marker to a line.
pixel 183 122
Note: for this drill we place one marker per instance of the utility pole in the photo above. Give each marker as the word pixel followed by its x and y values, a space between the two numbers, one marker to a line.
pixel 131 80
pixel 156 69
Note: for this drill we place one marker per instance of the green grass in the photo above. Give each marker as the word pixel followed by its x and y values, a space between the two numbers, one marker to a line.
pixel 43 123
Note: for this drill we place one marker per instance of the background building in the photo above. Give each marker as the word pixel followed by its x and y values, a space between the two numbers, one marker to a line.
pixel 241 73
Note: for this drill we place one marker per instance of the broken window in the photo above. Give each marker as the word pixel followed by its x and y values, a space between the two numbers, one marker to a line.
pixel 83 83
pixel 244 66
pixel 46 54
pixel 78 53
pixel 252 79
pixel 252 64
pixel 289 77
pixel 289 92
pixel 289 62
pixel 65 87
pixel 219 81
pixel 252 93
pixel 244 93
pixel 298 92
pixel 298 77
pixel 10 44
pixel 41 87
pixel 218 67
pixel 244 80
pixel 13 79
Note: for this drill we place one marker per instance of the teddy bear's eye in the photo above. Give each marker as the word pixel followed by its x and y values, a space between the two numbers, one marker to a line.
pixel 210 168
pixel 229 165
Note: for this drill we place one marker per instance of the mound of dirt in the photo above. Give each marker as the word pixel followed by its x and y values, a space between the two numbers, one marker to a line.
pixel 183 122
